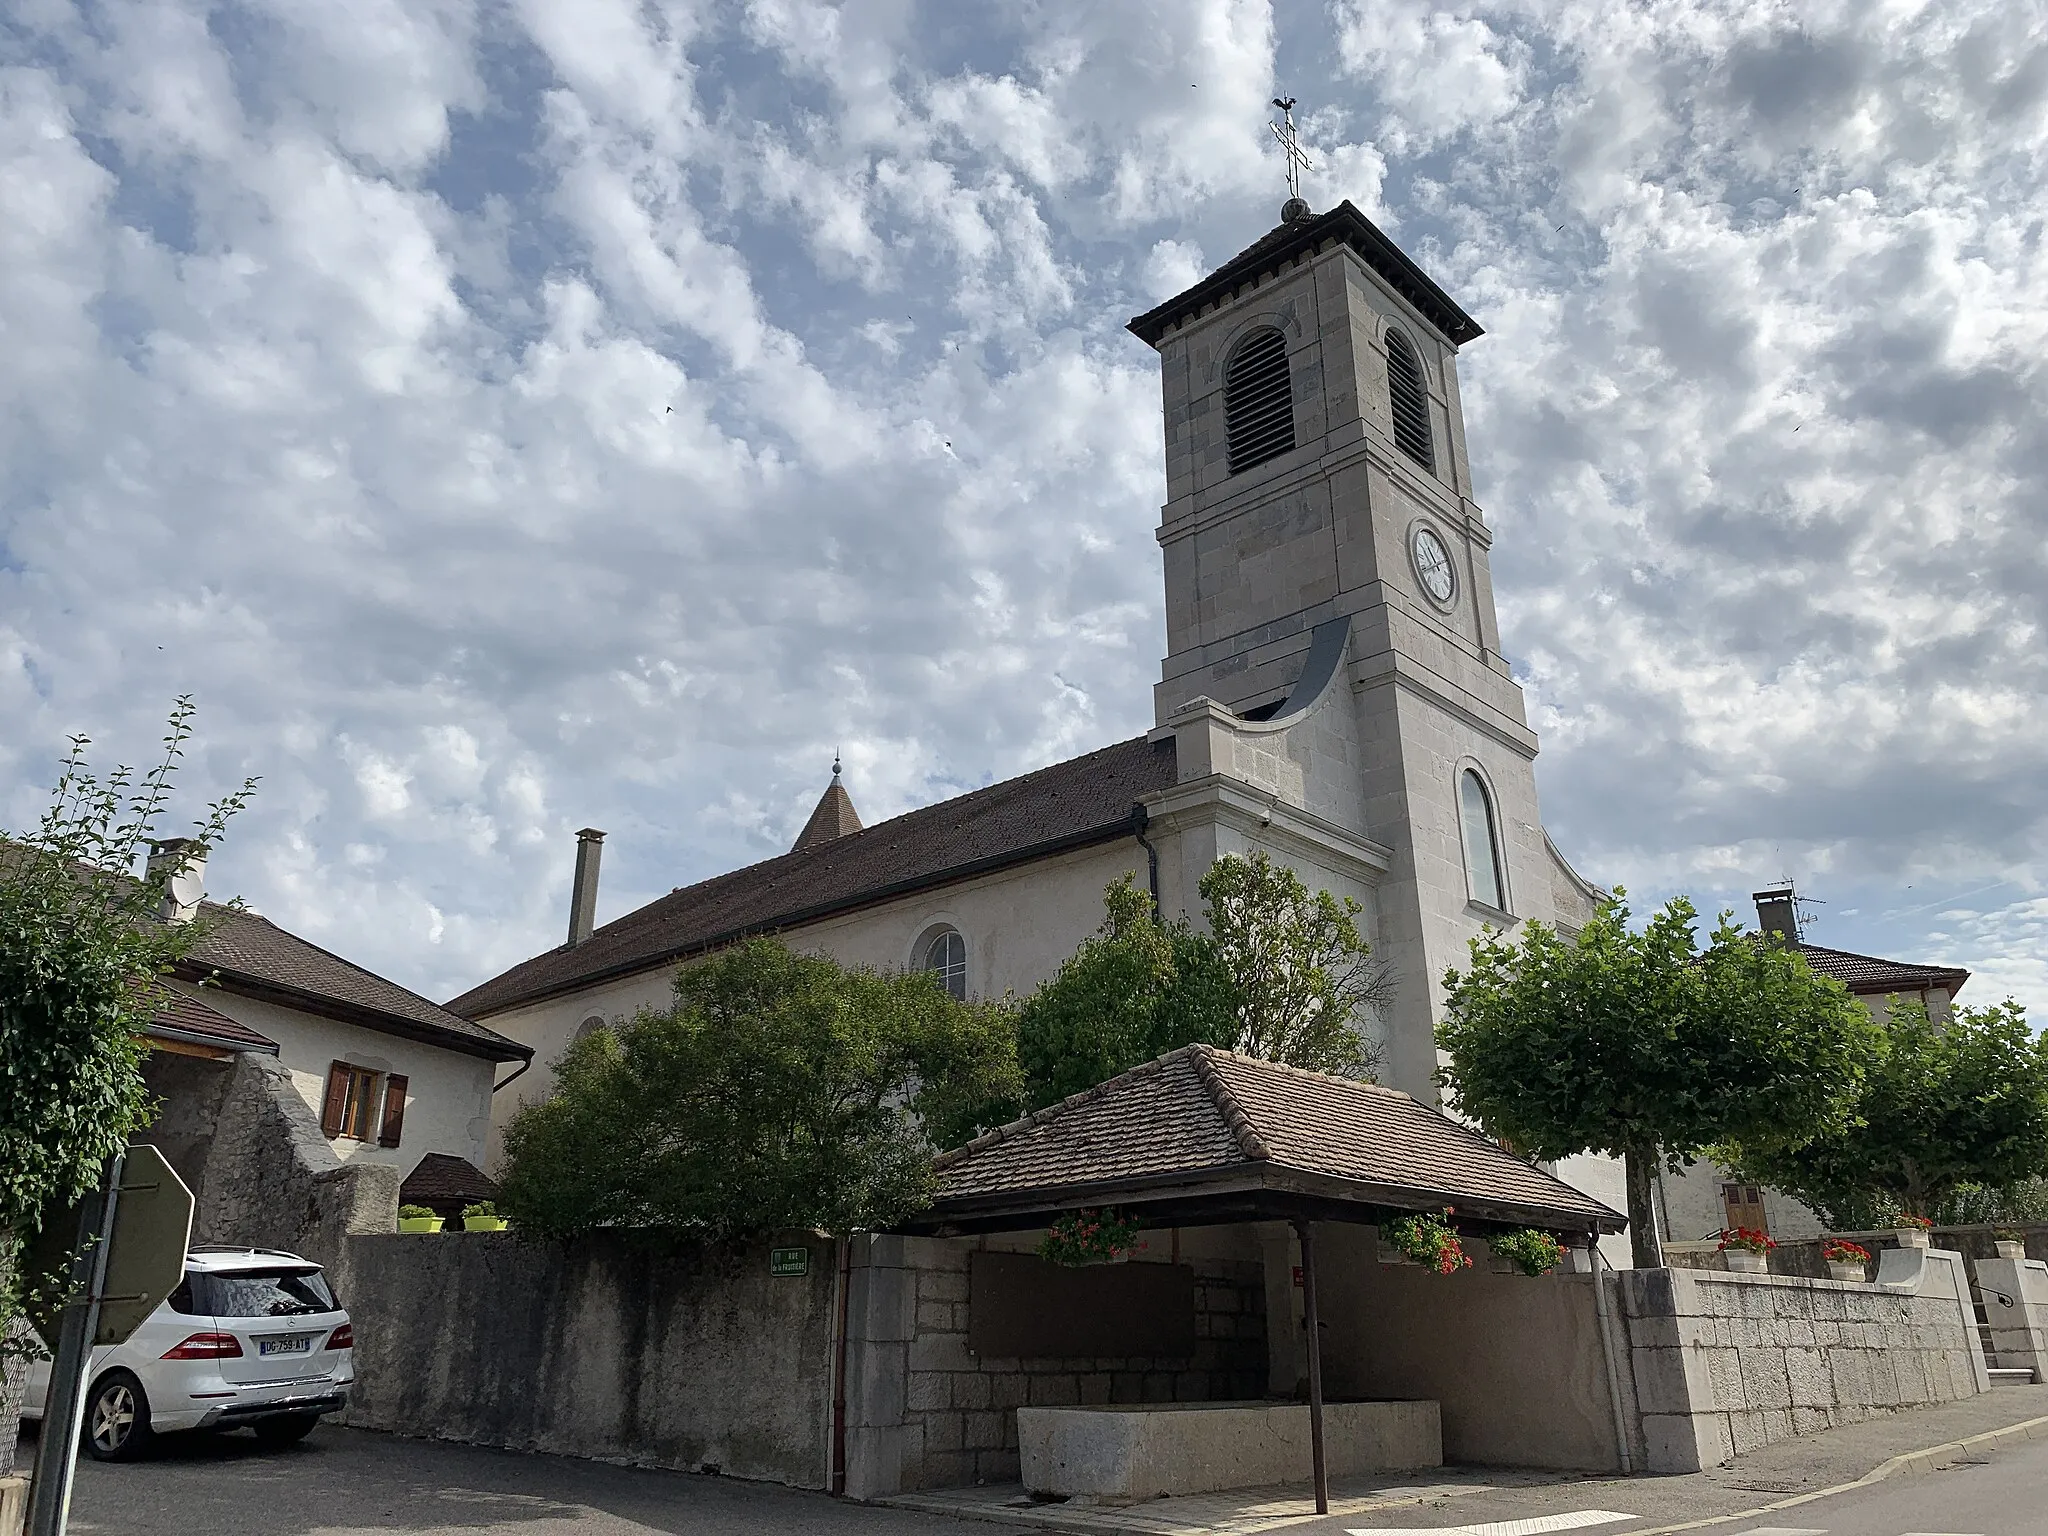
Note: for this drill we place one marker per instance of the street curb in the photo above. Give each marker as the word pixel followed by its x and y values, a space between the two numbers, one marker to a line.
pixel 1928 1459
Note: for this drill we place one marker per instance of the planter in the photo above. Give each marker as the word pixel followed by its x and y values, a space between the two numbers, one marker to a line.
pixel 1742 1262
pixel 419 1223
pixel 2010 1250
pixel 1499 1266
pixel 485 1223
pixel 1910 1237
pixel 1849 1270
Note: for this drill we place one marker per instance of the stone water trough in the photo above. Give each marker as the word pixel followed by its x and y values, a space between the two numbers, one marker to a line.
pixel 1117 1454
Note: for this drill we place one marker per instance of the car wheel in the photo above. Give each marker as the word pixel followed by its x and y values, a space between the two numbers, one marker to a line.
pixel 276 1434
pixel 117 1419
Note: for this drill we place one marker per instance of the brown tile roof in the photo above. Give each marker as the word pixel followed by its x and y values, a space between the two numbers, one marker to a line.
pixel 252 956
pixel 1866 975
pixel 1205 1116
pixel 834 817
pixel 186 1018
pixel 1285 242
pixel 1069 805
pixel 445 1183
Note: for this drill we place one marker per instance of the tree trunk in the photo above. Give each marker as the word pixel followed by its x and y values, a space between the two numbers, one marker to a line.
pixel 1641 1168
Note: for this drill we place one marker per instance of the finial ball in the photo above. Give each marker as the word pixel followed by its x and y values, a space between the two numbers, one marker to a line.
pixel 1294 210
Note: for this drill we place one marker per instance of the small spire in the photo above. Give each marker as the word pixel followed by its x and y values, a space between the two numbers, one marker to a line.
pixel 835 765
pixel 834 817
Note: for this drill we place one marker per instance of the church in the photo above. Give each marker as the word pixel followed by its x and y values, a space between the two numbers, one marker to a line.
pixel 1333 693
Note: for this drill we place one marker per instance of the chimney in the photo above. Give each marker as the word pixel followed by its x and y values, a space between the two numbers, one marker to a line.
pixel 178 866
pixel 583 895
pixel 1777 913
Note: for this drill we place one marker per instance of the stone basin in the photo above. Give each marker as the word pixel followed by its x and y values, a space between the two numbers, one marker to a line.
pixel 1122 1453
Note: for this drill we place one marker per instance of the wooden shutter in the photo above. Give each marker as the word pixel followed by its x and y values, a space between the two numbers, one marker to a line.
pixel 394 1110
pixel 336 1108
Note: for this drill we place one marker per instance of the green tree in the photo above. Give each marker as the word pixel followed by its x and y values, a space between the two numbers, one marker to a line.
pixel 777 1090
pixel 82 951
pixel 1639 1044
pixel 1282 973
pixel 1304 979
pixel 1136 989
pixel 1952 1104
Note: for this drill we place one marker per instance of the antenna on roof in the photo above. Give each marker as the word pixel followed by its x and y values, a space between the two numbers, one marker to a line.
pixel 1296 207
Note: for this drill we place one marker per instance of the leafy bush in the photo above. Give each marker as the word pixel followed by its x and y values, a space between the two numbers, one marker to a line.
pixel 1531 1250
pixel 1429 1239
pixel 416 1212
pixel 481 1208
pixel 1089 1237
pixel 778 1090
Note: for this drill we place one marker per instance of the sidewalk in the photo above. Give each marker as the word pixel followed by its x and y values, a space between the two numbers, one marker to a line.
pixel 1461 1496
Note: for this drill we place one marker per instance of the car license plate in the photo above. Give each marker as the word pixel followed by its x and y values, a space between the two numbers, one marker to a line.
pixel 298 1344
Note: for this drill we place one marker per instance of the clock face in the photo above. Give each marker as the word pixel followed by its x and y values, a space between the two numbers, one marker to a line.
pixel 1432 564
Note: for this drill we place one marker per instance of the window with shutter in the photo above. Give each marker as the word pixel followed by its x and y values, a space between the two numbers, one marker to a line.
pixel 335 1108
pixel 1258 400
pixel 1408 394
pixel 394 1110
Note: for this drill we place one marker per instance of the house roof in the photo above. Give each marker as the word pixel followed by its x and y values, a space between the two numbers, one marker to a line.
pixel 252 956
pixel 186 1018
pixel 1278 246
pixel 1867 975
pixel 1206 1125
pixel 1069 805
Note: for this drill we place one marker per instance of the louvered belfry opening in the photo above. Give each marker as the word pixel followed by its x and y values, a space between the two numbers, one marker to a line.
pixel 1410 399
pixel 1258 401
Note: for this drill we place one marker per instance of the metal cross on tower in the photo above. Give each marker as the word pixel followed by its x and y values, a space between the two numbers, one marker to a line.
pixel 1290 144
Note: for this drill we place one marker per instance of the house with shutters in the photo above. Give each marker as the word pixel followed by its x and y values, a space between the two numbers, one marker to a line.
pixel 391 1077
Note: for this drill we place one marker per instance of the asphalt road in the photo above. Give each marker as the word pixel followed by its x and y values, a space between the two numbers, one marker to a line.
pixel 347 1482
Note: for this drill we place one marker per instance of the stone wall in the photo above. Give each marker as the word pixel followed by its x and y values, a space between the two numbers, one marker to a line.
pixel 1725 1363
pixel 925 1412
pixel 698 1360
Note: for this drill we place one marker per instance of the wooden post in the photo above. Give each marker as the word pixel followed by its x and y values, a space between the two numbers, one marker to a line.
pixel 1302 1230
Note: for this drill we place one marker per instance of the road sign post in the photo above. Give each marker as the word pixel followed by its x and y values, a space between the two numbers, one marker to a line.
pixel 122 1248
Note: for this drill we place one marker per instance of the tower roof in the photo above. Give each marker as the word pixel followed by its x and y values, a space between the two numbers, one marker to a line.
pixel 1273 250
pixel 834 817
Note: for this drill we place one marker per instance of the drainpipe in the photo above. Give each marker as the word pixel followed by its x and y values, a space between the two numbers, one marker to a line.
pixel 1140 820
pixel 521 1068
pixel 1600 1308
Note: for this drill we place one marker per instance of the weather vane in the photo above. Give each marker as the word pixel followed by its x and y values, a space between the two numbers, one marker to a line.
pixel 1290 143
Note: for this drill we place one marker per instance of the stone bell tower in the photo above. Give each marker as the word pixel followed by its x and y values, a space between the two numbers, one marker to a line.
pixel 1320 537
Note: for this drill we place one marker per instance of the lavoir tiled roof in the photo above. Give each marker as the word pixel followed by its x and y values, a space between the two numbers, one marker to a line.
pixel 1284 243
pixel 1867 976
pixel 1205 1119
pixel 1069 805
pixel 252 956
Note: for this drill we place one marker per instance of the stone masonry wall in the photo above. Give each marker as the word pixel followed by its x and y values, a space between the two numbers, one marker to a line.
pixel 1725 1363
pixel 925 1412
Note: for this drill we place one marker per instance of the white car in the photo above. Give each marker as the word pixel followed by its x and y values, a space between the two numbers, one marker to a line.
pixel 252 1336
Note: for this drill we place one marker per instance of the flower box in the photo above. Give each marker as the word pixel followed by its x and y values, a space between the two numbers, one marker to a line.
pixel 1846 1269
pixel 2007 1249
pixel 419 1224
pixel 485 1223
pixel 1911 1237
pixel 1742 1261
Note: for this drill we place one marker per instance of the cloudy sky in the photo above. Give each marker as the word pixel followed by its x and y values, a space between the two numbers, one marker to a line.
pixel 511 417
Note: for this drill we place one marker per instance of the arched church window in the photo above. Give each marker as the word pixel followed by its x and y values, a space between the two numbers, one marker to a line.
pixel 1409 396
pixel 945 956
pixel 1482 842
pixel 589 1027
pixel 1258 400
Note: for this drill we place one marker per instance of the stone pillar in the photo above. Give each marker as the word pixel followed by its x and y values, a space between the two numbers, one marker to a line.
pixel 882 1448
pixel 2015 1293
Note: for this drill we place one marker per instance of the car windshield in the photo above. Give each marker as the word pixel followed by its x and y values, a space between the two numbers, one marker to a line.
pixel 267 1293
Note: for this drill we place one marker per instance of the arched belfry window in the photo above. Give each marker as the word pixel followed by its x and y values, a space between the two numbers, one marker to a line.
pixel 1482 842
pixel 1408 394
pixel 945 956
pixel 1258 400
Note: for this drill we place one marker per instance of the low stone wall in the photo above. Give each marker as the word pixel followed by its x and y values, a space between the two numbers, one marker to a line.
pixel 1724 1363
pixel 926 1412
pixel 695 1360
